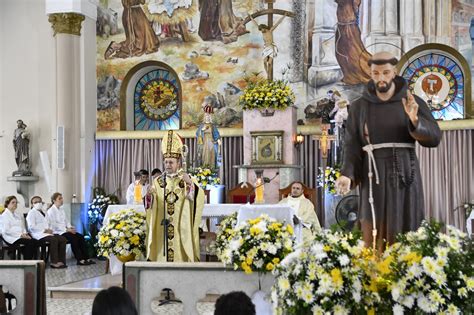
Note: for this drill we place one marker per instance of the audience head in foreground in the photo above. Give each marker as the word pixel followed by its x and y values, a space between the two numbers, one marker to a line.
pixel 234 303
pixel 113 301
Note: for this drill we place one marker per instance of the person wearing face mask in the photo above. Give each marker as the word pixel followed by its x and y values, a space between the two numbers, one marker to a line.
pixel 14 231
pixel 38 225
pixel 61 226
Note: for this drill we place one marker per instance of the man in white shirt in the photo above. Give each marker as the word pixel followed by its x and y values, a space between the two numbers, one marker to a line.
pixel 143 183
pixel 304 209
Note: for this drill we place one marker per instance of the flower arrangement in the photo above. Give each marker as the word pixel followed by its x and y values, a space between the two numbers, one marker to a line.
pixel 124 234
pixel 326 276
pixel 224 234
pixel 331 174
pixel 205 176
pixel 468 207
pixel 257 245
pixel 262 94
pixel 98 206
pixel 430 271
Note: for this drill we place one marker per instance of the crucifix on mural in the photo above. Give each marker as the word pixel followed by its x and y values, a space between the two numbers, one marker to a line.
pixel 270 50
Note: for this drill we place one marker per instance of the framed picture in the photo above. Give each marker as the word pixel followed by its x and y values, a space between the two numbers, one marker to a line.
pixel 267 147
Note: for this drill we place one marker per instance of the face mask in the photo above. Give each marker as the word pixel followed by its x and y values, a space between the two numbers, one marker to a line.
pixel 38 206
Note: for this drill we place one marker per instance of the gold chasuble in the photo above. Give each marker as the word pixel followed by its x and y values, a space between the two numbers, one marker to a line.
pixel 183 206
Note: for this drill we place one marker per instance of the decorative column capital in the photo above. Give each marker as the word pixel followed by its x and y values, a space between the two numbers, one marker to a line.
pixel 66 23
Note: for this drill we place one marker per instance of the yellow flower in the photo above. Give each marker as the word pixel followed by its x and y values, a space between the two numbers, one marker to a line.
pixel 270 266
pixel 337 278
pixel 327 248
pixel 135 239
pixel 255 231
pixel 276 260
pixel 412 258
pixel 289 228
pixel 104 238
pixel 275 226
pixel 384 266
pixel 248 260
pixel 119 226
pixel 246 268
pixel 255 221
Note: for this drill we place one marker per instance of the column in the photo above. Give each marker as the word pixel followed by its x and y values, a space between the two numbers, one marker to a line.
pixel 383 34
pixel 411 23
pixel 67 28
pixel 324 68
pixel 437 21
pixel 73 25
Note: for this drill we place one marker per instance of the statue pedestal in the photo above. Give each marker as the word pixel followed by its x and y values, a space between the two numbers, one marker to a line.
pixel 287 175
pixel 22 185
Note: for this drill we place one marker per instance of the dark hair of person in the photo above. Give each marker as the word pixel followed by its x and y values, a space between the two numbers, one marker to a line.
pixel 234 303
pixel 393 61
pixel 8 200
pixel 143 172
pixel 155 171
pixel 33 198
pixel 113 301
pixel 55 196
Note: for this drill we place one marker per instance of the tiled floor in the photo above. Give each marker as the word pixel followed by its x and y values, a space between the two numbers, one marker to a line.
pixel 69 306
pixel 58 277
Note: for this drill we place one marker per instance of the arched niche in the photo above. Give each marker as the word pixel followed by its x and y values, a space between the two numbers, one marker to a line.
pixel 151 98
pixel 442 77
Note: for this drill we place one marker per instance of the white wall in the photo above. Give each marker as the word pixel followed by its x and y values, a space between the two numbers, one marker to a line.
pixel 27 86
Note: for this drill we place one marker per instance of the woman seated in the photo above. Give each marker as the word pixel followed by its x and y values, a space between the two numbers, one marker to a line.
pixel 39 227
pixel 14 232
pixel 61 226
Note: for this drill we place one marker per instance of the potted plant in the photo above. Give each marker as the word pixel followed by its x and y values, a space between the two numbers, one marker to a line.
pixel 124 235
pixel 266 96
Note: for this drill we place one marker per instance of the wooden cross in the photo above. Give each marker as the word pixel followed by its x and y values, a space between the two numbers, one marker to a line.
pixel 270 11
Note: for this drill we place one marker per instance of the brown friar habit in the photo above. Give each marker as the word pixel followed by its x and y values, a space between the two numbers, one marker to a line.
pixel 398 198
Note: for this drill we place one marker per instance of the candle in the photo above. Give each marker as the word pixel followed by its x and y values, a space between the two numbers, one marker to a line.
pixel 259 190
pixel 137 193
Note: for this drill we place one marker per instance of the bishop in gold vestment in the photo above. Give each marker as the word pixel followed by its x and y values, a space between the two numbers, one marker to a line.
pixel 182 204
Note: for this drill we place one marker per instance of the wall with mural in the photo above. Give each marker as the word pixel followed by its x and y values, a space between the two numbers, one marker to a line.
pixel 156 58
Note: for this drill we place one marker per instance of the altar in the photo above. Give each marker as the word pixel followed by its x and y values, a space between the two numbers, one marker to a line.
pixel 212 214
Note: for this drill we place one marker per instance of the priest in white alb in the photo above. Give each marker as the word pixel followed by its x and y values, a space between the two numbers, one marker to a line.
pixel 304 209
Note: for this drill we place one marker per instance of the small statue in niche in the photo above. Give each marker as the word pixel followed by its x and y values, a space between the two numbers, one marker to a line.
pixel 208 141
pixel 21 142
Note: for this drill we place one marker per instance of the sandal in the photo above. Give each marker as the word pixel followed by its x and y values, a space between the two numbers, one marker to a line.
pixel 109 51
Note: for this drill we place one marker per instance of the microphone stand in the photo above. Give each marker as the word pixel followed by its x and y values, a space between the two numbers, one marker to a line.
pixel 165 221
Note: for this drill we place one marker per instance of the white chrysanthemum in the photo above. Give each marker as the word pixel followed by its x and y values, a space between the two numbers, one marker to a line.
pixel 317 310
pixel 397 309
pixel 395 293
pixel 114 233
pixel 356 296
pixel 284 284
pixel 424 304
pixel 258 263
pixel 429 266
pixel 343 260
pixel 414 271
pixel 408 301
pixel 340 310
pixel 452 310
pixel 325 284
pixel 288 260
pixel 272 249
pixel 234 245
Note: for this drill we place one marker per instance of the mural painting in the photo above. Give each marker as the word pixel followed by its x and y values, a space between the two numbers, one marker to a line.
pixel 214 46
